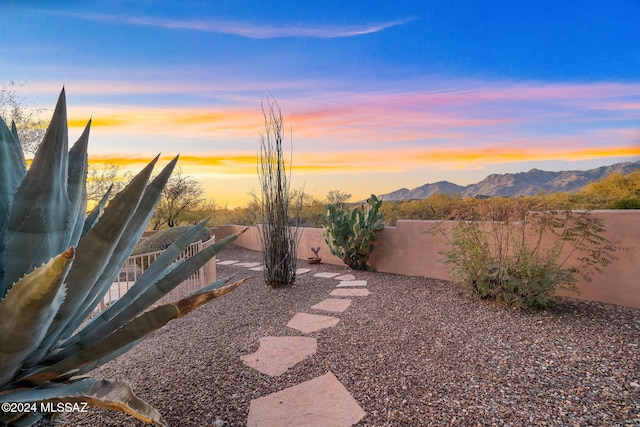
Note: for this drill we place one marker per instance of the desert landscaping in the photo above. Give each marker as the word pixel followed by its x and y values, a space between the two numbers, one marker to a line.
pixel 413 352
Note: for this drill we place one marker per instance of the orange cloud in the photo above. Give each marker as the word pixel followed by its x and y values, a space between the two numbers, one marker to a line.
pixel 168 122
pixel 375 161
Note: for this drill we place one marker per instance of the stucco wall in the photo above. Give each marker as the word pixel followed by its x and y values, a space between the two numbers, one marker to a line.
pixel 411 249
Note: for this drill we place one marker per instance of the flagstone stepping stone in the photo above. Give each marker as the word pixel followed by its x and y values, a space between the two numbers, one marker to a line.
pixel 326 275
pixel 337 305
pixel 300 271
pixel 305 322
pixel 346 292
pixel 277 354
pixel 352 283
pixel 260 268
pixel 229 262
pixel 345 277
pixel 320 402
pixel 249 264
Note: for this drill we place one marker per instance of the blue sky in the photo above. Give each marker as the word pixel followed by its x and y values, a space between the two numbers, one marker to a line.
pixel 379 95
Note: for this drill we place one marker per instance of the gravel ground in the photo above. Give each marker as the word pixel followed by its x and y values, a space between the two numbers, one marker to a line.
pixel 413 353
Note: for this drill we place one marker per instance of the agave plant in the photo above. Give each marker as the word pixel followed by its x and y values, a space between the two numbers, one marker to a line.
pixel 56 265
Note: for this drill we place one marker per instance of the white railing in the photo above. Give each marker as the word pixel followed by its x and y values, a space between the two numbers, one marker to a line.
pixel 137 264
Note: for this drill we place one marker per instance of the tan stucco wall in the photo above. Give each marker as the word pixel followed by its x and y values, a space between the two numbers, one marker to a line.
pixel 411 249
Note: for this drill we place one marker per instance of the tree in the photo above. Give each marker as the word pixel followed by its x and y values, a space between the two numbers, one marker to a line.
pixel 182 200
pixel 337 197
pixel 278 239
pixel 13 108
pixel 305 210
pixel 99 181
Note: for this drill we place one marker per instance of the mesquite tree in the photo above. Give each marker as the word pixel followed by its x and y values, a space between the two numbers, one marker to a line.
pixel 278 238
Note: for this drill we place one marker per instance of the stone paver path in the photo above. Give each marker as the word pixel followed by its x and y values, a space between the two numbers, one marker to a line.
pixel 306 323
pixel 322 401
pixel 351 283
pixel 277 354
pixel 350 292
pixel 326 275
pixel 336 305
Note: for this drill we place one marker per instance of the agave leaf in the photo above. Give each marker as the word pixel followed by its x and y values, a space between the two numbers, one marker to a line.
pixel 133 307
pixel 108 358
pixel 93 253
pixel 130 237
pixel 97 330
pixel 27 311
pixel 105 393
pixel 14 131
pixel 38 218
pixel 12 172
pixel 150 276
pixel 130 332
pixel 77 187
pixel 26 420
pixel 96 212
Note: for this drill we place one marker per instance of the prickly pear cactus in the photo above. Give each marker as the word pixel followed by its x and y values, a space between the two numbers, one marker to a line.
pixel 349 235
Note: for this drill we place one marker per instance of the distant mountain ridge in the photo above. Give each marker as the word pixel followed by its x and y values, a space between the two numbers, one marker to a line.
pixel 519 184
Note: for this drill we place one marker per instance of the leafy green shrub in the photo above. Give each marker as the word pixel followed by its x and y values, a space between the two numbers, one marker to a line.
pixel 511 253
pixel 349 235
pixel 165 238
pixel 630 203
pixel 56 265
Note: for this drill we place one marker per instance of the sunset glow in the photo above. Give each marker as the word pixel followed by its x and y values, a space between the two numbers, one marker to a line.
pixel 373 99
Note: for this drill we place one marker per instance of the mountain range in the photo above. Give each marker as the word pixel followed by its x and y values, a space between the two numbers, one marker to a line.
pixel 516 184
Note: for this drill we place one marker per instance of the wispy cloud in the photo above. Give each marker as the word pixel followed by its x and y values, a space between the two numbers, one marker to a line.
pixel 244 29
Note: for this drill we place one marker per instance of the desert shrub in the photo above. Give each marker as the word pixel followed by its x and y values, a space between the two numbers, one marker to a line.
pixel 349 235
pixel 630 203
pixel 510 252
pixel 165 238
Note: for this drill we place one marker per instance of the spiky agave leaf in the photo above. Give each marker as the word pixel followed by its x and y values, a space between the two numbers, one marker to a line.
pixel 37 222
pixel 28 310
pixel 113 355
pixel 130 305
pixel 96 212
pixel 105 393
pixel 77 188
pixel 47 211
pixel 158 269
pixel 130 332
pixel 12 172
pixel 130 237
pixel 93 253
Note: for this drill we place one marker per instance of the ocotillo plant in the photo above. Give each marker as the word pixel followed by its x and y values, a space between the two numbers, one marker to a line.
pixel 278 238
